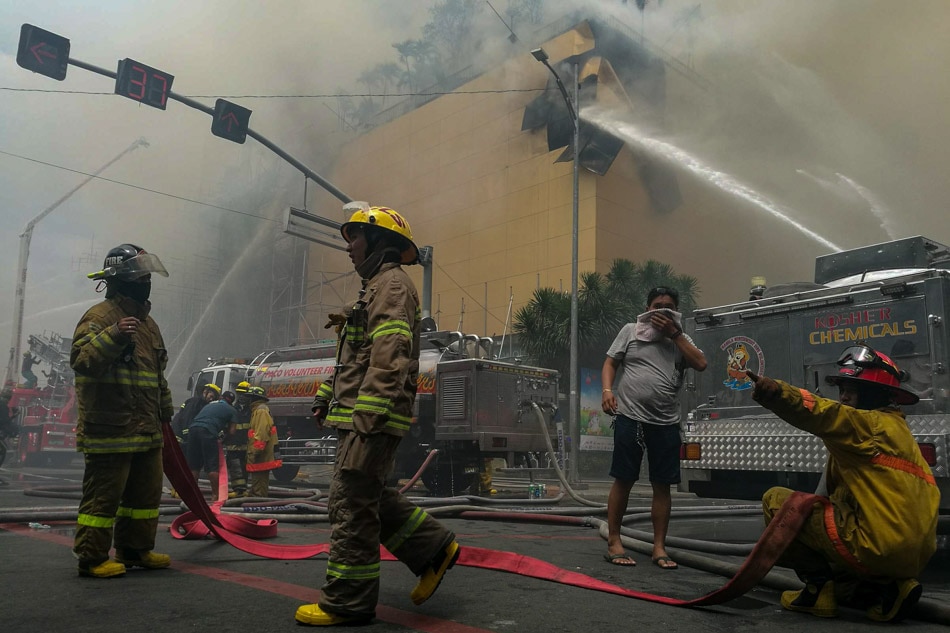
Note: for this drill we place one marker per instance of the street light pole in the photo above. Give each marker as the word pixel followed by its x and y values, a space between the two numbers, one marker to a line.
pixel 573 107
pixel 25 238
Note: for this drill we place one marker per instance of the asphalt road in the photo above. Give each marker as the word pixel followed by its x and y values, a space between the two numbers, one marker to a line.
pixel 214 587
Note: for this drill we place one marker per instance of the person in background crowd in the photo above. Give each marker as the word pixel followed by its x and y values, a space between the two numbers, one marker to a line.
pixel 26 370
pixel 235 444
pixel 190 408
pixel 261 442
pixel 868 540
pixel 203 447
pixel 369 401
pixel 119 359
pixel 653 354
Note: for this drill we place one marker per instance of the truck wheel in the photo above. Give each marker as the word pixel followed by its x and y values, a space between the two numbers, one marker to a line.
pixel 286 474
pixel 447 480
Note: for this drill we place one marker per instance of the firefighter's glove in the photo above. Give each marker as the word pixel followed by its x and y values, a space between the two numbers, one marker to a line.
pixel 336 321
pixel 765 389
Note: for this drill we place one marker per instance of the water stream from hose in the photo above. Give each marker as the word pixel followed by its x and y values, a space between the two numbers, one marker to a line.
pixel 637 137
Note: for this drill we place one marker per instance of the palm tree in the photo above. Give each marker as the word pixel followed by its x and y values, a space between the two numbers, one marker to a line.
pixel 604 304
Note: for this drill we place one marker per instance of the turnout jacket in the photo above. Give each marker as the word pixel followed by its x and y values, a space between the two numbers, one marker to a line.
pixel 122 393
pixel 882 515
pixel 374 385
pixel 261 439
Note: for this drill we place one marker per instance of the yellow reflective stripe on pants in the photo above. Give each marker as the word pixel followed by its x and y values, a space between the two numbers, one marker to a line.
pixel 405 530
pixel 137 513
pixel 352 572
pixel 96 522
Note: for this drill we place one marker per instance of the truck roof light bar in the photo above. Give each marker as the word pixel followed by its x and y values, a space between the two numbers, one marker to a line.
pixel 785 308
pixel 706 318
pixel 896 290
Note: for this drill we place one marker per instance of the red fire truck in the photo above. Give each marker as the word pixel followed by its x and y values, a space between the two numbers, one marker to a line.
pixel 46 415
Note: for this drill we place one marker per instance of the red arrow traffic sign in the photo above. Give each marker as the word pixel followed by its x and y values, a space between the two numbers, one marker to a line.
pixel 43 52
pixel 41 49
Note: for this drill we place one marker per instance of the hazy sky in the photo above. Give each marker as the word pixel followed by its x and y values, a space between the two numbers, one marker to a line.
pixel 821 104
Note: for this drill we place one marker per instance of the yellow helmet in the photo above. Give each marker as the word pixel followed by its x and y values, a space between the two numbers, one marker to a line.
pixel 243 387
pixel 390 220
pixel 213 387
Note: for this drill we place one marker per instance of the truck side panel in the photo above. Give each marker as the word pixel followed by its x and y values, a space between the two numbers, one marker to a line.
pixel 744 448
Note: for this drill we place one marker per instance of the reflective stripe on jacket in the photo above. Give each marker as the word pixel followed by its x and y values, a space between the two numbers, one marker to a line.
pixel 374 385
pixel 121 390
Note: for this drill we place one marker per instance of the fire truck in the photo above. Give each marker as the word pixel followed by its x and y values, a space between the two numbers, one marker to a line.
pixel 46 416
pixel 894 296
pixel 469 405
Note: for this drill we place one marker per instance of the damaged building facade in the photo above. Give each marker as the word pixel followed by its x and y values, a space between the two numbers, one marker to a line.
pixel 484 175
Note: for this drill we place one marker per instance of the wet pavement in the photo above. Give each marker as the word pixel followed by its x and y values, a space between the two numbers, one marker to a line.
pixel 214 587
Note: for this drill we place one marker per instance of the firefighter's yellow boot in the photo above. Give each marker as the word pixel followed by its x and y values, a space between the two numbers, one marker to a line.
pixel 817 598
pixel 431 578
pixel 898 600
pixel 148 560
pixel 107 569
pixel 313 615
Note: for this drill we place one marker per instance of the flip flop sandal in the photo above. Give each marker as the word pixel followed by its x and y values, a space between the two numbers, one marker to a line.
pixel 613 558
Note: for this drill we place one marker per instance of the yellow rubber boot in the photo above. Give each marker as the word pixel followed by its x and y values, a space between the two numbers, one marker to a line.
pixel 313 615
pixel 107 569
pixel 817 598
pixel 898 600
pixel 431 578
pixel 148 560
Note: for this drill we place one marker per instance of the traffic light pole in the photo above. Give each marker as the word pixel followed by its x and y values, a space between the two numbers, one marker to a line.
pixel 191 103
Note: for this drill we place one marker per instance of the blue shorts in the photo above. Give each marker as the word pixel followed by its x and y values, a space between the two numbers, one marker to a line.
pixel 661 443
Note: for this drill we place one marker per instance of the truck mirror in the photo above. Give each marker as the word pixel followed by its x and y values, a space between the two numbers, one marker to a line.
pixel 191 383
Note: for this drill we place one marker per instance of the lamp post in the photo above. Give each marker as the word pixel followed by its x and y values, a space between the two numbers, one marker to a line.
pixel 573 108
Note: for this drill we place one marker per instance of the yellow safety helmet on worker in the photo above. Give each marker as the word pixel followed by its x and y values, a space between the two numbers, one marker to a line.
pixel 386 219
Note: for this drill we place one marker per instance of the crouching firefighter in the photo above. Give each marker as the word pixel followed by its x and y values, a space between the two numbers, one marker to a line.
pixel 369 401
pixel 870 536
pixel 123 399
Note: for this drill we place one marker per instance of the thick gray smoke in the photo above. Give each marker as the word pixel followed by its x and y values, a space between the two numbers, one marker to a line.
pixel 833 109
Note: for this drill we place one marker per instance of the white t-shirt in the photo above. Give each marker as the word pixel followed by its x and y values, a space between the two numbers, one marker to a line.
pixel 650 377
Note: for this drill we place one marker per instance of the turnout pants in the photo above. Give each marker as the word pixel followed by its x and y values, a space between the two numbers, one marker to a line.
pixel 812 553
pixel 364 514
pixel 237 469
pixel 121 493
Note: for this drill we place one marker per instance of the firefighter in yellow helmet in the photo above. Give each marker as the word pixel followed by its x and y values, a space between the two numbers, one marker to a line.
pixel 235 444
pixel 872 535
pixel 261 442
pixel 369 401
pixel 123 398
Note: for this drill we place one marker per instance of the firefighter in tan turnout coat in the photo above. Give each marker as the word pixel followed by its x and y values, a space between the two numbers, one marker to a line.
pixel 119 359
pixel 369 401
pixel 261 444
